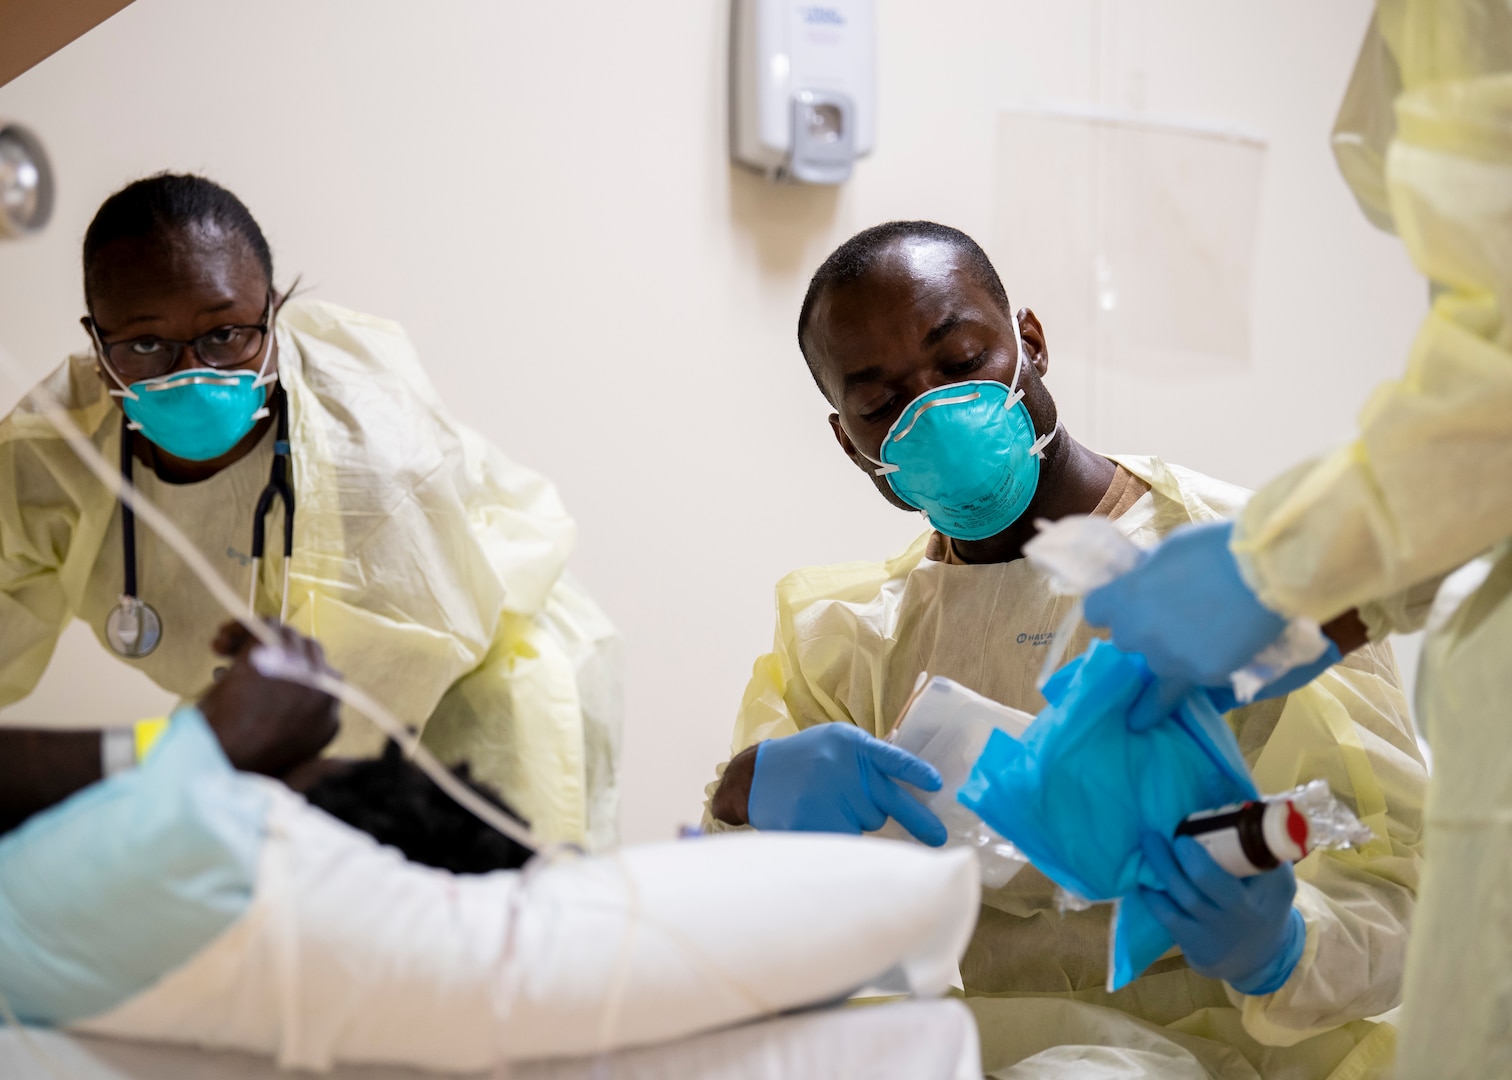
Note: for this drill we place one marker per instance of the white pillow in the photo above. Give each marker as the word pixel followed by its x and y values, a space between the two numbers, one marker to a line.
pixel 350 955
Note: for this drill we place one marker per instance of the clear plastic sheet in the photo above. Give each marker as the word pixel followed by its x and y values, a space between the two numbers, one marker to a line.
pixel 1138 232
pixel 1331 825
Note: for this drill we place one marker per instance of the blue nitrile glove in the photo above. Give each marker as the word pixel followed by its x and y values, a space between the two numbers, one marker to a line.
pixel 1241 930
pixel 1223 697
pixel 837 778
pixel 1188 612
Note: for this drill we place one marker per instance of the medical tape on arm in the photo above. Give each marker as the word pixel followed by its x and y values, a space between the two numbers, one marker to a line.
pixel 124 748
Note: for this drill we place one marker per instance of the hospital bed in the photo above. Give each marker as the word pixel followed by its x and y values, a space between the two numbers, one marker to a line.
pixel 912 1040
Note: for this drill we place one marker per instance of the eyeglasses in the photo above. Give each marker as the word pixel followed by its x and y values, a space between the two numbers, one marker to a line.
pixel 148 357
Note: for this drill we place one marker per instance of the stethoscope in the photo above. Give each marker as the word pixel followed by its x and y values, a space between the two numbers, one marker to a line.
pixel 133 628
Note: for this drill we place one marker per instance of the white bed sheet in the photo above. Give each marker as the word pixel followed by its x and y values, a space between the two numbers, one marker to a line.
pixel 913 1040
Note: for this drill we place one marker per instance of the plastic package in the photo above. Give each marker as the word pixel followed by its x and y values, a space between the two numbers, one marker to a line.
pixel 948 725
pixel 1081 552
pixel 1079 789
pixel 1332 826
pixel 1250 838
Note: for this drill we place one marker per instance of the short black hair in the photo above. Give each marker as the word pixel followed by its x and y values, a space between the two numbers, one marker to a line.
pixel 167 202
pixel 856 258
pixel 390 799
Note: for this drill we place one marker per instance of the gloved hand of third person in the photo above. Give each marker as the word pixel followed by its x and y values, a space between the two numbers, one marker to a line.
pixel 1223 698
pixel 1186 609
pixel 836 778
pixel 1244 931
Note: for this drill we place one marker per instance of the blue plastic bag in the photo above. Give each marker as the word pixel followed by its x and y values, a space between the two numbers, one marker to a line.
pixel 1079 789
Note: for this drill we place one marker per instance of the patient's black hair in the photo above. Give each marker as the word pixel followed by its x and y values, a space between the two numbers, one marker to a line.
pixel 855 258
pixel 392 800
pixel 168 201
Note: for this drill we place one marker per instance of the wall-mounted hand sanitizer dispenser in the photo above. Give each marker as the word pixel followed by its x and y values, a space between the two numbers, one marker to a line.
pixel 802 87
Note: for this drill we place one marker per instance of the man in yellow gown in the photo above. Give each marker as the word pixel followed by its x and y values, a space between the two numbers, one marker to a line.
pixel 910 308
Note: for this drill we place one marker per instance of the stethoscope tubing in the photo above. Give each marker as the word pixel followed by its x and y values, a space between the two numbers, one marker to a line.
pixel 128 519
pixel 277 487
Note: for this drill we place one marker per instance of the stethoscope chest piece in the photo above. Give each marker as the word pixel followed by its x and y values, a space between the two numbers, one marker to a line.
pixel 132 628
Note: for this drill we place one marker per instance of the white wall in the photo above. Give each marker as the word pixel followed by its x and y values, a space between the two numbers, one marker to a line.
pixel 539 192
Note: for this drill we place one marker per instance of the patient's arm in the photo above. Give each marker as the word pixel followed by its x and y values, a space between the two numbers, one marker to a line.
pixel 40 768
pixel 731 801
pixel 1347 632
pixel 264 726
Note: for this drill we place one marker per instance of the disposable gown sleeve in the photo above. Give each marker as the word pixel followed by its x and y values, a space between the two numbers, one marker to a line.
pixel 1422 488
pixel 431 566
pixel 1404 612
pixel 539 718
pixel 764 714
pixel 782 696
pixel 1350 727
pixel 37 521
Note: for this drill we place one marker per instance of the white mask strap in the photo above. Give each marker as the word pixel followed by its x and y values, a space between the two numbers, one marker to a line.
pixel 264 376
pixel 123 390
pixel 1038 448
pixel 881 469
pixel 1018 364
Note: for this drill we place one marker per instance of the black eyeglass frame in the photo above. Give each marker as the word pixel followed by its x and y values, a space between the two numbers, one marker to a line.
pixel 176 348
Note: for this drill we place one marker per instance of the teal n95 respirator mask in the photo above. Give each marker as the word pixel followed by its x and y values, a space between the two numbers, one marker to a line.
pixel 967 455
pixel 199 414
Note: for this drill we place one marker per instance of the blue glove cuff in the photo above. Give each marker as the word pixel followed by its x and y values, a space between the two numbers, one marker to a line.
pixel 1273 976
pixel 761 812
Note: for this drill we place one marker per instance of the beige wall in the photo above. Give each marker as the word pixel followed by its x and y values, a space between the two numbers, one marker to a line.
pixel 539 192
